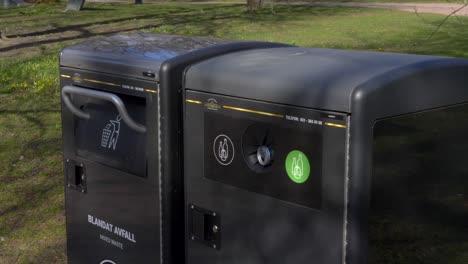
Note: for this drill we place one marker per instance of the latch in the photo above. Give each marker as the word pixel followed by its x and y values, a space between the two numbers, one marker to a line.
pixel 76 175
pixel 205 226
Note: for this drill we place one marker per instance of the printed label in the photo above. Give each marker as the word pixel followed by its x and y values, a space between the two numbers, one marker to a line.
pixel 77 78
pixel 111 228
pixel 111 241
pixel 212 104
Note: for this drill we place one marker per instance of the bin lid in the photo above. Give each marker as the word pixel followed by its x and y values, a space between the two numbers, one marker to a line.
pixel 307 77
pixel 131 55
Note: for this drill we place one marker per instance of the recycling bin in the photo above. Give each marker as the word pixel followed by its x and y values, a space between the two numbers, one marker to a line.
pixel 325 156
pixel 123 205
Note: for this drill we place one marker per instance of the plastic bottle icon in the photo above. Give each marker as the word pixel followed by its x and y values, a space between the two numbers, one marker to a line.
pixel 297 167
pixel 223 151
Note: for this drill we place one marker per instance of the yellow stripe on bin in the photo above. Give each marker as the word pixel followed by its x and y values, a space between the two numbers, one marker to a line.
pixel 335 125
pixel 101 82
pixel 193 101
pixel 252 111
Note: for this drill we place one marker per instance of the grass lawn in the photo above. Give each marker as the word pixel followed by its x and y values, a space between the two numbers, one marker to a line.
pixel 31 199
pixel 376 1
pixel 345 1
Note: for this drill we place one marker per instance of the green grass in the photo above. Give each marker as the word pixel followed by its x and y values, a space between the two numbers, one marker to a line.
pixel 377 1
pixel 343 1
pixel 31 192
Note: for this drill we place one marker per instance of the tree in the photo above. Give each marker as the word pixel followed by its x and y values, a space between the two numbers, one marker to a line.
pixel 253 5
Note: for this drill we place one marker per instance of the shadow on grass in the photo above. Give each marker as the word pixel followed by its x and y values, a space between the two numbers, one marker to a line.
pixel 179 12
pixel 203 18
pixel 29 184
pixel 96 9
pixel 51 253
pixel 167 19
pixel 31 145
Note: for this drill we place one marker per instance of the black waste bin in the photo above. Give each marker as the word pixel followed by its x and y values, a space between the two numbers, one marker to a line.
pixel 324 156
pixel 122 204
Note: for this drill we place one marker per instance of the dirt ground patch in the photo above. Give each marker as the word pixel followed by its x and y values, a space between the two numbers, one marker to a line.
pixel 429 8
pixel 432 8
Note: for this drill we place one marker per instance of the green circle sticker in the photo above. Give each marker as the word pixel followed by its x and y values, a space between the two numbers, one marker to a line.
pixel 297 166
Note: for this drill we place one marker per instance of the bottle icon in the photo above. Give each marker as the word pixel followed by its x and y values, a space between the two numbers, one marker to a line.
pixel 297 167
pixel 223 151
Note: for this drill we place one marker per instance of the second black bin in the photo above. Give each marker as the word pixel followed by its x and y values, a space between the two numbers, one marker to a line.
pixel 319 156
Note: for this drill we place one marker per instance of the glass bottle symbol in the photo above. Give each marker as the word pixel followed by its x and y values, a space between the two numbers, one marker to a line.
pixel 223 151
pixel 297 167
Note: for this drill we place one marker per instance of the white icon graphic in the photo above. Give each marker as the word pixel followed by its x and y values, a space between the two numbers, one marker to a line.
pixel 212 104
pixel 223 149
pixel 297 167
pixel 110 133
pixel 107 262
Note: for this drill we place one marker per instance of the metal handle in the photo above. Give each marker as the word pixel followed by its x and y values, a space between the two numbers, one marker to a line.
pixel 103 96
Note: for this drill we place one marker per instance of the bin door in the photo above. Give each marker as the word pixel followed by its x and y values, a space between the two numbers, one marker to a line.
pixel 115 219
pixel 264 183
pixel 112 207
pixel 108 128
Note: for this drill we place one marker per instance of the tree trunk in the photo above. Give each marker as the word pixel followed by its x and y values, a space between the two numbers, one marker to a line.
pixel 253 5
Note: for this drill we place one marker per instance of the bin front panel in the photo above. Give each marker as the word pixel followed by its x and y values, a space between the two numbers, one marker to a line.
pixel 264 182
pixel 111 171
pixel 106 139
